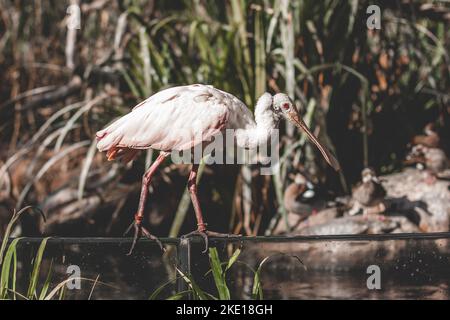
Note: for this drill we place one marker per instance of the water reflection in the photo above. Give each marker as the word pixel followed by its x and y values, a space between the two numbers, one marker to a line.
pixel 410 269
pixel 335 285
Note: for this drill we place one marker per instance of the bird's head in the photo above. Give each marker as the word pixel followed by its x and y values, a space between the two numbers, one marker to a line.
pixel 368 174
pixel 284 107
pixel 419 150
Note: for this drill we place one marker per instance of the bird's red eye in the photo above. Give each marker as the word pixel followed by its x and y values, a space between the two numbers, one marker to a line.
pixel 285 106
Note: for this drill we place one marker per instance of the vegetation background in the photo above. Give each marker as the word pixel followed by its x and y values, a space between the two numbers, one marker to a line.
pixel 364 92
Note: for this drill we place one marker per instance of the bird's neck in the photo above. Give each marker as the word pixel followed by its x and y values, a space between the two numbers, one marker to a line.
pixel 266 122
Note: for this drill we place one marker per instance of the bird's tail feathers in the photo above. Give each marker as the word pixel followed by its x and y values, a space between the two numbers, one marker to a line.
pixel 111 135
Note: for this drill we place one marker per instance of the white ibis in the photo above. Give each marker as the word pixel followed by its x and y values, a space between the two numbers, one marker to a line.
pixel 166 120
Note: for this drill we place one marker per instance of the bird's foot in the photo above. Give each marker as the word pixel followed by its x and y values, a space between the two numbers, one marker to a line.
pixel 140 231
pixel 205 234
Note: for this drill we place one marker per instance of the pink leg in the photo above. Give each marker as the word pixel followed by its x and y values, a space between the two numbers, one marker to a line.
pixel 201 225
pixel 139 216
pixel 146 179
pixel 192 185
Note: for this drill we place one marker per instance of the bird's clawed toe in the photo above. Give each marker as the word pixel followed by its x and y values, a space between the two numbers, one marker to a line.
pixel 140 231
pixel 205 234
pixel 200 233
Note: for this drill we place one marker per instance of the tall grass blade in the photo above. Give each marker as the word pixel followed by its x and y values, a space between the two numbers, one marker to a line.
pixel 198 293
pixel 47 282
pixel 34 278
pixel 85 168
pixel 9 260
pixel 218 274
pixel 233 259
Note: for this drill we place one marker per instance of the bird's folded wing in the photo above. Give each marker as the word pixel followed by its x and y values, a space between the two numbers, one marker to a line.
pixel 173 119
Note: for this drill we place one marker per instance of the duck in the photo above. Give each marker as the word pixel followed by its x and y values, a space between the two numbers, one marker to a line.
pixel 368 196
pixel 302 198
pixel 430 138
pixel 434 159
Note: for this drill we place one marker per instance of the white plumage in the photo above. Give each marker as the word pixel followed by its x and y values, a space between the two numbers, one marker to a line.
pixel 180 118
pixel 172 118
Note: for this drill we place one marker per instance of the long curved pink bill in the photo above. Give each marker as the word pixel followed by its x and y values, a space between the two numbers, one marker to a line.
pixel 332 161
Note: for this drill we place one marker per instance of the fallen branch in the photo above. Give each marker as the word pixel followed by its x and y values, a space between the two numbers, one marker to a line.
pixel 53 96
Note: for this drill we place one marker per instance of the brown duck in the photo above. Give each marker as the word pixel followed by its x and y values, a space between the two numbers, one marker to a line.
pixel 302 198
pixel 430 138
pixel 368 195
pixel 434 159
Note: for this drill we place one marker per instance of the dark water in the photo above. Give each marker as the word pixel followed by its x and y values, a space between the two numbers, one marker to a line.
pixel 338 285
pixel 418 271
pixel 408 269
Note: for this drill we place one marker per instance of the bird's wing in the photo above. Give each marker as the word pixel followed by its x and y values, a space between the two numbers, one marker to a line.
pixel 177 118
pixel 360 193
